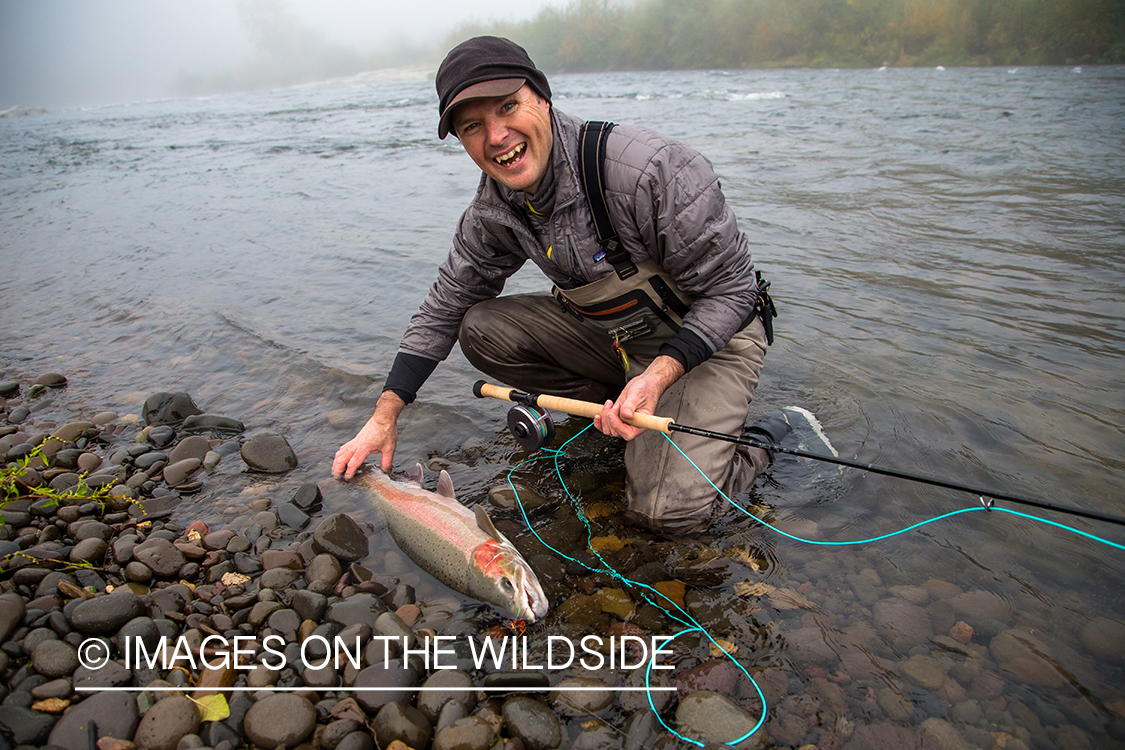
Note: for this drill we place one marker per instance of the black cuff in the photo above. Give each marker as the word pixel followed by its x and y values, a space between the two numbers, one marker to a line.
pixel 687 348
pixel 407 375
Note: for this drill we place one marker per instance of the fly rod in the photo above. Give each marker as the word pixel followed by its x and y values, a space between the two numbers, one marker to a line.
pixel 533 429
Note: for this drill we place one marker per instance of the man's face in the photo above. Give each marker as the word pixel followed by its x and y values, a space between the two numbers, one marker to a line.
pixel 509 137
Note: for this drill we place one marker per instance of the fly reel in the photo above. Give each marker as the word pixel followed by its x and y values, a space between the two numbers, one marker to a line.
pixel 531 426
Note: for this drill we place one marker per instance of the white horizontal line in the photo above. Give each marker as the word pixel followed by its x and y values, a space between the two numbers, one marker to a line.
pixel 270 689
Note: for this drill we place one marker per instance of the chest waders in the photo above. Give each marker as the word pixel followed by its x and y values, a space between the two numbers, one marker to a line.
pixel 638 303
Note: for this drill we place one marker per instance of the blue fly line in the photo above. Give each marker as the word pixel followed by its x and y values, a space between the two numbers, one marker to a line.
pixel 691 625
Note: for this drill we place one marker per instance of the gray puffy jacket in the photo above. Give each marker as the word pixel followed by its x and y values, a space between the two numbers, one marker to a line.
pixel 665 203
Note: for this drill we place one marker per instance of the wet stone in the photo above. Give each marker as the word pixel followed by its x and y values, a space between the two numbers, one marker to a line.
pixel 176 474
pixel 308 497
pixel 924 671
pixel 1105 639
pixel 712 718
pixel 902 623
pixel 364 608
pixel 532 722
pixel 392 674
pixel 470 733
pixel 282 559
pixel 575 703
pixel 58 688
pixel 24 726
pixel 433 698
pixel 213 424
pixel 168 408
pixel 292 516
pixel 89 551
pixel 113 674
pixel 18 415
pixel 281 719
pixel 974 606
pixel 341 536
pixel 165 723
pixel 55 659
pixel 357 741
pixel 160 436
pixel 114 715
pixel 193 446
pixel 268 453
pixel 103 615
pixel 324 568
pixel 160 555
pixel 404 723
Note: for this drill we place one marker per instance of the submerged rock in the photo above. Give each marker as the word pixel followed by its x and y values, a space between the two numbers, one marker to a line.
pixel 168 408
pixel 712 718
pixel 269 453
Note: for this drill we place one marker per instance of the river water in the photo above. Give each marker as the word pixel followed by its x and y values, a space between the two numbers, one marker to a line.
pixel 947 251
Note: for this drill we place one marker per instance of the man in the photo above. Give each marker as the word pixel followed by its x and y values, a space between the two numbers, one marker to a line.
pixel 684 337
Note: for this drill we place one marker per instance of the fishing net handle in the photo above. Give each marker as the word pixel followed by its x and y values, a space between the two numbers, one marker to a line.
pixel 567 405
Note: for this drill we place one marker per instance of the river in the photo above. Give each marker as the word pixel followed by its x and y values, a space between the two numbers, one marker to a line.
pixel 947 253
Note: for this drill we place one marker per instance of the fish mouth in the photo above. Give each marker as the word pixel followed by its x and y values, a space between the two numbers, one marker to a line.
pixel 536 605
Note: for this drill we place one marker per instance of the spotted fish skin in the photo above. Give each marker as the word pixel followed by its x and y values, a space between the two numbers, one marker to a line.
pixel 458 546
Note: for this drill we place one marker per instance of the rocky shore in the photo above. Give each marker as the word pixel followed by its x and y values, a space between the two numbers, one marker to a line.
pixel 92 565
pixel 102 568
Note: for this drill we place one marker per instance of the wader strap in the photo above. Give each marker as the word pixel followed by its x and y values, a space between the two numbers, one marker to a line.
pixel 591 171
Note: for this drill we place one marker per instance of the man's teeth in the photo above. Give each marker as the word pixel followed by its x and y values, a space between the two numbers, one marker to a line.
pixel 505 158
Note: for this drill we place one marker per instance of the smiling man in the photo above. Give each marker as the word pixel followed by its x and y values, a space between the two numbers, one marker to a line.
pixel 665 320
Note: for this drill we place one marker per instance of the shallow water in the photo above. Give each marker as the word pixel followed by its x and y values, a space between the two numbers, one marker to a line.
pixel 946 250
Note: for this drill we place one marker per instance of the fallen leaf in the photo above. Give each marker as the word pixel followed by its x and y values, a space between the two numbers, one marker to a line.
pixel 673 590
pixel 51 705
pixel 598 510
pixel 743 556
pixel 604 544
pixel 234 579
pixel 212 707
pixel 719 647
pixel 745 588
pixel 789 599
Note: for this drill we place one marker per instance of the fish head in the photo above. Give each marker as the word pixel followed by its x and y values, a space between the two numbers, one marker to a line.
pixel 501 576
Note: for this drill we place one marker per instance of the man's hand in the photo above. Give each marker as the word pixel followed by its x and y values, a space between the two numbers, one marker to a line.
pixel 640 395
pixel 379 435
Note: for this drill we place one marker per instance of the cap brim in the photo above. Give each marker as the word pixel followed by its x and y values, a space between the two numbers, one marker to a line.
pixel 482 90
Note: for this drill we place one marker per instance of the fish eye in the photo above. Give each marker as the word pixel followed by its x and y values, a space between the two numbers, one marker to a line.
pixel 507 587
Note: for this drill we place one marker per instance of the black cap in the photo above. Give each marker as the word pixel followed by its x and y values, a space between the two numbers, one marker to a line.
pixel 484 67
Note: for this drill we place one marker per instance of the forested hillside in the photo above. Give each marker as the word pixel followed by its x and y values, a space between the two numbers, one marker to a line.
pixel 595 35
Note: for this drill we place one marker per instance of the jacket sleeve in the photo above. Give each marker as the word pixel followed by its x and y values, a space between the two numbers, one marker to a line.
pixel 478 265
pixel 674 208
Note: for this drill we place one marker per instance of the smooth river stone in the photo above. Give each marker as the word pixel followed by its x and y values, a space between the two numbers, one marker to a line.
pixel 160 555
pixel 269 453
pixel 166 722
pixel 177 473
pixel 193 446
pixel 168 408
pixel 341 536
pixel 531 721
pixel 114 714
pixel 103 615
pixel 282 719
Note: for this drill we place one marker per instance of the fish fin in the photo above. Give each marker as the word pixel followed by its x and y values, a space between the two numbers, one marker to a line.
pixel 415 475
pixel 445 485
pixel 485 524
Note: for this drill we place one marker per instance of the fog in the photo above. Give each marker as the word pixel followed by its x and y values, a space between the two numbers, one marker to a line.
pixel 67 53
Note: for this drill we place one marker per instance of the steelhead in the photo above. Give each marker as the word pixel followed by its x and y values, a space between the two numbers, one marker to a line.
pixel 458 546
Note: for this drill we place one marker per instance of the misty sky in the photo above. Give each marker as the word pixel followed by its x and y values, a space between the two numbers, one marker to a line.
pixel 62 53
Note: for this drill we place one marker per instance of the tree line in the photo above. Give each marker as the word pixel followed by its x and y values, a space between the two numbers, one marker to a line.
pixel 600 35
